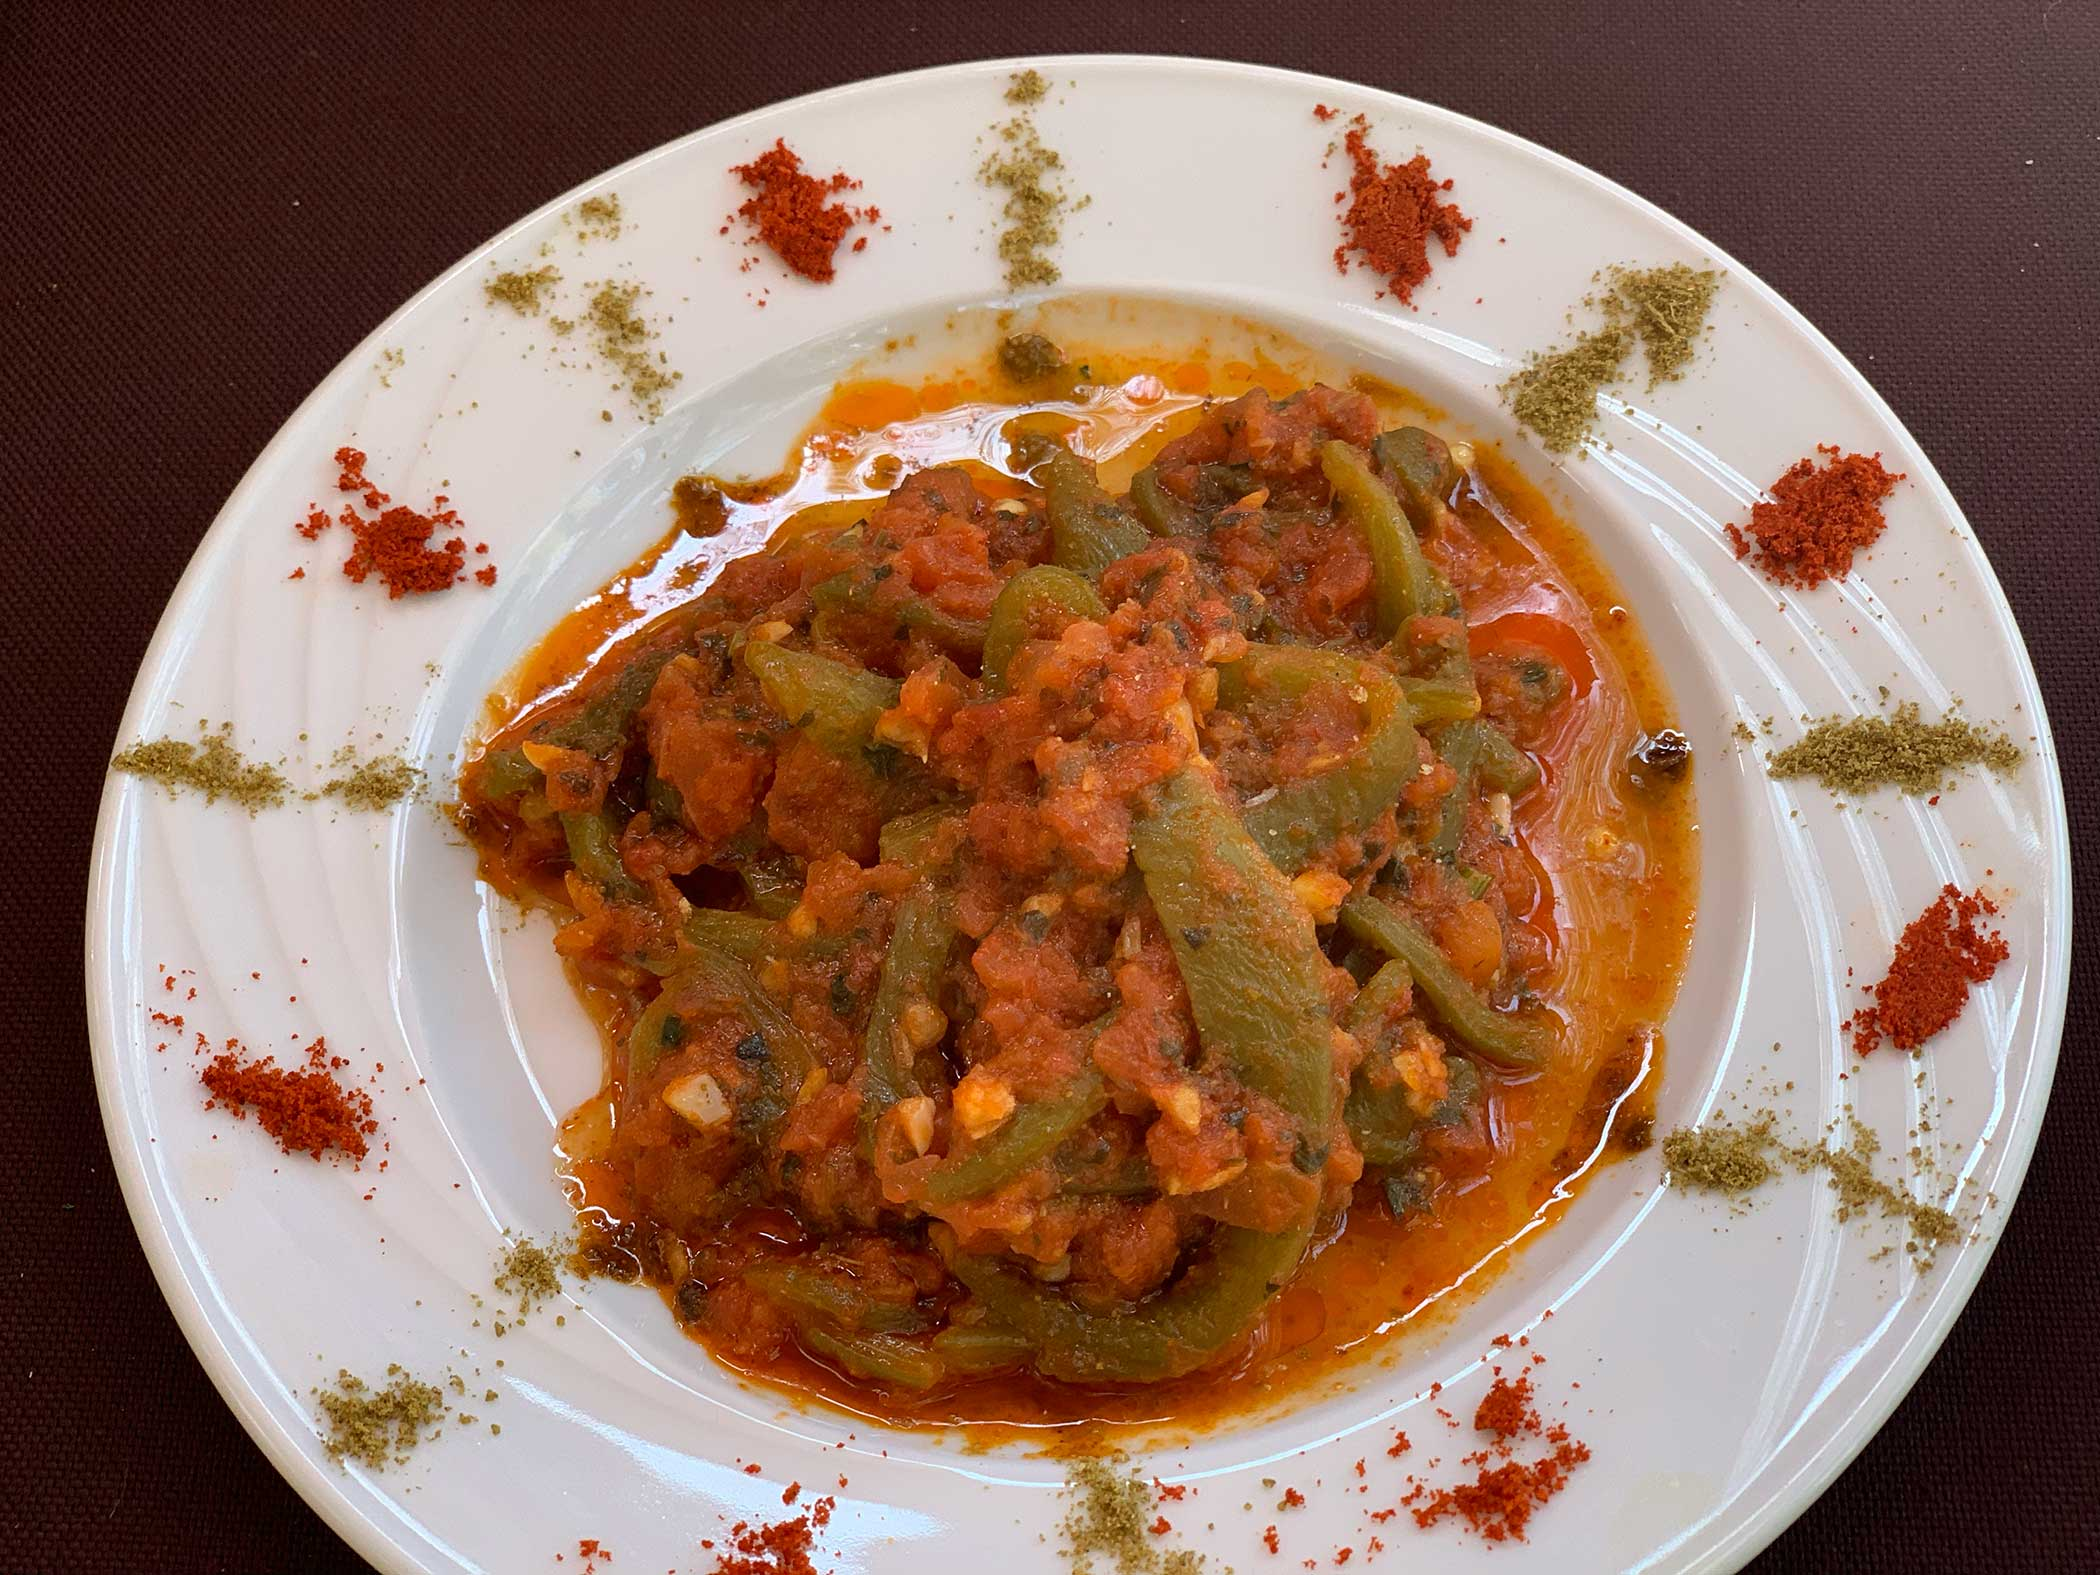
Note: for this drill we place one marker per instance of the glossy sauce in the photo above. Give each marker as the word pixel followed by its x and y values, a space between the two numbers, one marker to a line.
pixel 1615 866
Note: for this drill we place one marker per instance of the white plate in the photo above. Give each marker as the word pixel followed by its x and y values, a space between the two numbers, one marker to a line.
pixel 1728 1367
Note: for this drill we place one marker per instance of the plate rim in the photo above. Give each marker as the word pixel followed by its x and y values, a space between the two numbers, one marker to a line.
pixel 1742 1535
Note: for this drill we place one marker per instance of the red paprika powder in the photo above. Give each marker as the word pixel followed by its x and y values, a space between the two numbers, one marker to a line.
pixel 302 1108
pixel 791 211
pixel 1817 519
pixel 394 542
pixel 1394 212
pixel 1939 955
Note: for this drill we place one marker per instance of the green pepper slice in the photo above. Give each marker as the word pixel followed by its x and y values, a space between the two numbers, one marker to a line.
pixel 1025 604
pixel 1295 822
pixel 1504 1040
pixel 837 705
pixel 1421 463
pixel 710 983
pixel 594 850
pixel 1089 530
pixel 1163 513
pixel 1255 973
pixel 1033 1132
pixel 744 936
pixel 1459 746
pixel 1174 1333
pixel 1400 584
pixel 884 1358
pixel 920 941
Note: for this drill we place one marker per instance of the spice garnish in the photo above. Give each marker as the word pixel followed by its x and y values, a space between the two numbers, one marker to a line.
pixel 1394 211
pixel 304 1108
pixel 792 211
pixel 524 291
pixel 530 1272
pixel 598 218
pixel 1663 309
pixel 1815 520
pixel 1668 306
pixel 1555 393
pixel 782 1548
pixel 1110 1516
pixel 623 337
pixel 1856 754
pixel 1939 955
pixel 377 1427
pixel 1031 175
pixel 211 766
pixel 394 543
pixel 1736 1160
pixel 1497 1505
pixel 370 786
pixel 1026 87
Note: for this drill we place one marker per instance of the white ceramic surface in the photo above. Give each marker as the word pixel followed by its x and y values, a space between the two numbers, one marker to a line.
pixel 1729 1367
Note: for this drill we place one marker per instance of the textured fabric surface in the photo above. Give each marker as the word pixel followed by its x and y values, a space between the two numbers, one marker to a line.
pixel 207 209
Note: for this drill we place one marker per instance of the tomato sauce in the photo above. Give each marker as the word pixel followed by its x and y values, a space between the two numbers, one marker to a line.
pixel 1598 874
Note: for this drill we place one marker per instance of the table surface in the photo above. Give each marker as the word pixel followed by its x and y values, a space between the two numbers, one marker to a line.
pixel 211 209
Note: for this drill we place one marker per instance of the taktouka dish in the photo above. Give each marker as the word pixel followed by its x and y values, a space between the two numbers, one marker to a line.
pixel 1062 931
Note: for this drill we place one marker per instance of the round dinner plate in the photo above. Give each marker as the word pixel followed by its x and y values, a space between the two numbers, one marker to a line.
pixel 1721 1365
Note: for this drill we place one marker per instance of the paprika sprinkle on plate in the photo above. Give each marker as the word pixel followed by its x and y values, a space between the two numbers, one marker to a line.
pixel 393 542
pixel 1940 954
pixel 1816 519
pixel 1394 212
pixel 304 1108
pixel 792 211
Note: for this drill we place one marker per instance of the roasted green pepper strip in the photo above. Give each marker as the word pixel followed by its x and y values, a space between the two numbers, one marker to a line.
pixel 502 772
pixel 982 1347
pixel 1399 573
pixel 1433 700
pixel 1089 530
pixel 837 705
pixel 1257 984
pixel 885 1358
pixel 920 942
pixel 801 1288
pixel 854 592
pixel 1255 973
pixel 1460 747
pixel 1379 1120
pixel 908 839
pixel 744 936
pixel 1024 604
pixel 594 849
pixel 1505 1040
pixel 1174 1333
pixel 1424 470
pixel 1376 998
pixel 1295 822
pixel 1163 513
pixel 772 885
pixel 1033 1132
pixel 711 983
pixel 1381 1124
pixel 1503 766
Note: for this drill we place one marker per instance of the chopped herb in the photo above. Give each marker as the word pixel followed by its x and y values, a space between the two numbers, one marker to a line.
pixel 377 1427
pixel 1857 754
pixel 523 291
pixel 211 766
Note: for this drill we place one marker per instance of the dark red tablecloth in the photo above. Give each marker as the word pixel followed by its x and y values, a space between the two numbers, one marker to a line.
pixel 208 206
